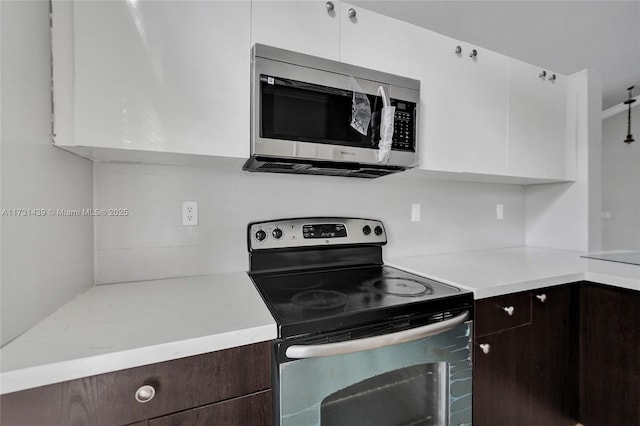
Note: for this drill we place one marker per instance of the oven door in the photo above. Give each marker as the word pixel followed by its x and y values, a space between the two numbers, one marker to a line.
pixel 419 382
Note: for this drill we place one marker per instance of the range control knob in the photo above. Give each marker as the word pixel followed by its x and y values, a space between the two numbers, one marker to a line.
pixel 366 230
pixel 261 235
pixel 277 233
pixel 377 230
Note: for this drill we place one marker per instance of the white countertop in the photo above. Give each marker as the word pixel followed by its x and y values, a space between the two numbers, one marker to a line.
pixel 501 271
pixel 119 326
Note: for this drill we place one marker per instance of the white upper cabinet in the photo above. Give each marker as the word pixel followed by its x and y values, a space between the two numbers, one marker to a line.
pixel 538 144
pixel 440 69
pixel 334 30
pixel 484 111
pixel 311 27
pixel 463 108
pixel 152 76
pixel 135 80
pixel 371 40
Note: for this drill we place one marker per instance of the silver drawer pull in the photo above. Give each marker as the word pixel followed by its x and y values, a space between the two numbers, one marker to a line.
pixel 509 310
pixel 485 348
pixel 145 393
pixel 541 297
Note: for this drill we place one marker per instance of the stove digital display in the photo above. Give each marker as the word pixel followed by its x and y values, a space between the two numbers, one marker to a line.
pixel 325 230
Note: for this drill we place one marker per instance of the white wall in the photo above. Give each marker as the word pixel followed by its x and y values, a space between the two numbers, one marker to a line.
pixel 621 183
pixel 45 260
pixel 151 242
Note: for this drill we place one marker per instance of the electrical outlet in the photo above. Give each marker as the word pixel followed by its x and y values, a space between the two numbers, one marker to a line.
pixel 189 213
pixel 499 211
pixel 415 212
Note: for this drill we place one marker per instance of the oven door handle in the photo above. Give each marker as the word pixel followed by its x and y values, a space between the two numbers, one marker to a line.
pixel 374 342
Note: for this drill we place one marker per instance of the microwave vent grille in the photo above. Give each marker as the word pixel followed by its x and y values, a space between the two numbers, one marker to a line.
pixel 277 166
pixel 272 165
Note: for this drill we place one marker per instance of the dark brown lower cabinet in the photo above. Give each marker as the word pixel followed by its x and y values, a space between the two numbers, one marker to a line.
pixel 555 336
pixel 502 378
pixel 610 364
pixel 218 384
pixel 248 410
pixel 525 369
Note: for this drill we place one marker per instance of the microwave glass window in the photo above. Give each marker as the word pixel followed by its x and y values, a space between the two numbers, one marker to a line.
pixel 293 110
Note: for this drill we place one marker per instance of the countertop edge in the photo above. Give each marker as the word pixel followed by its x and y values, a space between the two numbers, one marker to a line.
pixel 48 374
pixel 613 280
pixel 529 285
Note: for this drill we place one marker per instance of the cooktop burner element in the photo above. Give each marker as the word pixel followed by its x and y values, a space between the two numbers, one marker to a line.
pixel 320 299
pixel 406 287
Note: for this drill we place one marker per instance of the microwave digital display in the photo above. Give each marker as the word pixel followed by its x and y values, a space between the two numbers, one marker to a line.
pixel 325 230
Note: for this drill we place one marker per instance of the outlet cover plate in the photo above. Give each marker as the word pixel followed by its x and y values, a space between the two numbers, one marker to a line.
pixel 415 212
pixel 189 213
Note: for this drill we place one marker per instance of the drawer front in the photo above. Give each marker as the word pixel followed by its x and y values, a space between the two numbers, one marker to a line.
pixel 249 410
pixel 109 399
pixel 502 313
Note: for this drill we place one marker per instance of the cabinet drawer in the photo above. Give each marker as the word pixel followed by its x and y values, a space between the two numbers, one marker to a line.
pixel 109 399
pixel 502 313
pixel 254 410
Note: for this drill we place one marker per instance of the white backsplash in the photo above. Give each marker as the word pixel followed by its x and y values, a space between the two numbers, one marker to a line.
pixel 151 242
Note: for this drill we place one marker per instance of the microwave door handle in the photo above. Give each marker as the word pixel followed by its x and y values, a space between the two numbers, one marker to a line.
pixel 375 342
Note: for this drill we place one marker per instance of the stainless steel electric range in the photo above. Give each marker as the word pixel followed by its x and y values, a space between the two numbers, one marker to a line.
pixel 359 342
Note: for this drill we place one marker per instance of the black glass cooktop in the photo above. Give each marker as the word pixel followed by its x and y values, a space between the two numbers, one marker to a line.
pixel 321 301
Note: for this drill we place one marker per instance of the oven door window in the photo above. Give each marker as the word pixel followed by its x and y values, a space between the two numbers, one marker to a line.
pixel 406 396
pixel 298 111
pixel 425 382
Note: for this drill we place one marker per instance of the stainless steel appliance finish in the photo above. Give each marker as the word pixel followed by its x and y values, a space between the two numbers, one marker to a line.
pixel 290 233
pixel 300 116
pixel 359 342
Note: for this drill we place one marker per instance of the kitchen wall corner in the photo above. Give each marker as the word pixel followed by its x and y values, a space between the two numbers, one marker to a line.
pixel 46 260
pixel 621 183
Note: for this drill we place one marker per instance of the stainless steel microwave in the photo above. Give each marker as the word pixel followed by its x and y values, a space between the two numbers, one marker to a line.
pixel 306 116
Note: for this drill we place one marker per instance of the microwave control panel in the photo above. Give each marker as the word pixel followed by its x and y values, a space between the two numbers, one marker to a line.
pixel 404 125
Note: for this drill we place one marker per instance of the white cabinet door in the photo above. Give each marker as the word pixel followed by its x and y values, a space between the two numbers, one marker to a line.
pixel 484 111
pixel 537 122
pixel 374 41
pixel 303 26
pixel 439 68
pixel 463 116
pixel 161 76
